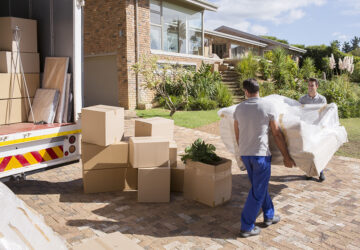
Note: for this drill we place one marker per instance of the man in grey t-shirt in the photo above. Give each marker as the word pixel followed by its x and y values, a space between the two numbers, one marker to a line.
pixel 313 97
pixel 253 118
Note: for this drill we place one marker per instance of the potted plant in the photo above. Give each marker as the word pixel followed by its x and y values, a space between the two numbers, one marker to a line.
pixel 207 177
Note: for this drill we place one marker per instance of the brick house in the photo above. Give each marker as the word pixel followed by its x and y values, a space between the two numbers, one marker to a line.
pixel 118 32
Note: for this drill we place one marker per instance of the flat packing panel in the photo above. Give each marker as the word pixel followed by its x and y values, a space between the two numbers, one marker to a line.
pixel 55 77
pixel 44 105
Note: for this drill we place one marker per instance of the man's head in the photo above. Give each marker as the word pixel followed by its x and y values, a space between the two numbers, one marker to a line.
pixel 313 84
pixel 251 87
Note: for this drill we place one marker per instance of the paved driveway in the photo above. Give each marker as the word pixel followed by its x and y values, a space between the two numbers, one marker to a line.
pixel 314 215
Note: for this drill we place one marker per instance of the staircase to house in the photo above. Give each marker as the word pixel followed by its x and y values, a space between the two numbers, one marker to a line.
pixel 230 79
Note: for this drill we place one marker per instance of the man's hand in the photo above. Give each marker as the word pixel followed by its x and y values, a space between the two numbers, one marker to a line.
pixel 289 162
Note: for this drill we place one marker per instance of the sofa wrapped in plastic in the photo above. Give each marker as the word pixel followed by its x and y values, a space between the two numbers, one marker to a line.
pixel 312 132
pixel 23 228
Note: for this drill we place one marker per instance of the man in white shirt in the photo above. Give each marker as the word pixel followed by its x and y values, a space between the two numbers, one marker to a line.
pixel 313 97
pixel 253 118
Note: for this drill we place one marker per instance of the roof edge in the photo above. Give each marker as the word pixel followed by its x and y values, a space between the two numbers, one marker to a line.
pixel 203 4
pixel 236 38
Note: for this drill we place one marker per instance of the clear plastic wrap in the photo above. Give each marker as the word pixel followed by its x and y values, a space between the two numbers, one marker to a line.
pixel 312 132
pixel 22 228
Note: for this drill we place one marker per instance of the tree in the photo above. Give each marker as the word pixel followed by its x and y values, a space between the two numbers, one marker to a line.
pixel 355 43
pixel 346 47
pixel 335 44
pixel 276 39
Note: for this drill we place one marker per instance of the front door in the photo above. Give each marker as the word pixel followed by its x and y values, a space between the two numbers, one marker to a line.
pixel 219 49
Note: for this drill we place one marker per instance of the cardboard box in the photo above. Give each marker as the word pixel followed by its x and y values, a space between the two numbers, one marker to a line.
pixel 208 184
pixel 148 152
pixel 96 157
pixel 13 85
pixel 28 34
pixel 115 241
pixel 154 184
pixel 131 179
pixel 14 110
pixel 156 126
pixel 102 125
pixel 10 62
pixel 177 178
pixel 173 154
pixel 104 180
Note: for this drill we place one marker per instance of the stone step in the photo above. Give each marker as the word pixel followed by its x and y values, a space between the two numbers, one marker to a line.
pixel 233 79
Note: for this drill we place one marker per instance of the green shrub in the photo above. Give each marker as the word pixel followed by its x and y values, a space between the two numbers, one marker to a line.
pixel 284 69
pixel 202 152
pixel 223 96
pixel 247 67
pixel 308 68
pixel 355 76
pixel 265 68
pixel 201 103
pixel 267 88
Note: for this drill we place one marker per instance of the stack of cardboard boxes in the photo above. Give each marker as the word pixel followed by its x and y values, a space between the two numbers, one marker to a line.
pixel 104 155
pixel 15 58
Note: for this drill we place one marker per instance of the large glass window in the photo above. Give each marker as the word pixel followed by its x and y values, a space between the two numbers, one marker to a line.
pixel 175 28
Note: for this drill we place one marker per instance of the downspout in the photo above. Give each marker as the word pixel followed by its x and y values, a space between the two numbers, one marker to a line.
pixel 137 50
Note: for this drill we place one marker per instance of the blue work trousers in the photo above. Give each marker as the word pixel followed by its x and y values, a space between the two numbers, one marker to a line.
pixel 259 171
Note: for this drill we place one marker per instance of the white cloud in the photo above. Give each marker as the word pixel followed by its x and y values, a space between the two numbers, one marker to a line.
pixel 339 36
pixel 258 30
pixel 240 13
pixel 352 7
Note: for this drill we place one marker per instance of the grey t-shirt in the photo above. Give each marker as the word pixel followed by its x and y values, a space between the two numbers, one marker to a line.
pixel 317 99
pixel 253 116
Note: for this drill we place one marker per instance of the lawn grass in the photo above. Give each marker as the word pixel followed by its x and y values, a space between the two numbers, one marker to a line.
pixel 352 148
pixel 188 119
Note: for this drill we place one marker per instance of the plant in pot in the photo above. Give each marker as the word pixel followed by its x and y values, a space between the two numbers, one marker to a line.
pixel 207 177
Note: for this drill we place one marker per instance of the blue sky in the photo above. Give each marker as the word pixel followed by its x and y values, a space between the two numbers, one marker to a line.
pixel 309 22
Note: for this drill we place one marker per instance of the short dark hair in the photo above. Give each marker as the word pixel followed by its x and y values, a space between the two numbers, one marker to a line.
pixel 251 85
pixel 314 80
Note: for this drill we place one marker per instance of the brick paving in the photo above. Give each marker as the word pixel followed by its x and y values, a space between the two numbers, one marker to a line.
pixel 314 215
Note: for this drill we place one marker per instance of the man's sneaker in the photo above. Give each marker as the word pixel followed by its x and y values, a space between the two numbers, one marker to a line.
pixel 322 177
pixel 274 220
pixel 255 231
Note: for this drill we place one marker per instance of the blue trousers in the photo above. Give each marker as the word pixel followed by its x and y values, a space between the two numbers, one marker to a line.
pixel 259 171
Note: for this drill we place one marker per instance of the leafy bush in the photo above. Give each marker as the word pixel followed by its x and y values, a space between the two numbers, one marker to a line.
pixel 247 67
pixel 223 96
pixel 202 152
pixel 201 103
pixel 284 69
pixel 356 74
pixel 308 68
pixel 265 68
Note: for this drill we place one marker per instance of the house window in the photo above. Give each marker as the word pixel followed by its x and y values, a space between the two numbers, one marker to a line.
pixel 237 51
pixel 175 28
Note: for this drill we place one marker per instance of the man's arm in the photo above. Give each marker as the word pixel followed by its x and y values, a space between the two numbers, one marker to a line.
pixel 280 142
pixel 236 128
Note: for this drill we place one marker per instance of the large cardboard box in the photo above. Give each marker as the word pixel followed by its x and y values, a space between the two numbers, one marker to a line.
pixel 114 241
pixel 148 152
pixel 208 184
pixel 104 180
pixel 177 178
pixel 10 62
pixel 102 125
pixel 156 126
pixel 173 154
pixel 13 85
pixel 96 157
pixel 131 179
pixel 14 110
pixel 154 184
pixel 28 34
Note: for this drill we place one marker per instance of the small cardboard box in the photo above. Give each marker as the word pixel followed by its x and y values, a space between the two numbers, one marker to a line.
pixel 115 241
pixel 102 125
pixel 96 157
pixel 131 179
pixel 10 62
pixel 148 152
pixel 13 85
pixel 14 110
pixel 208 184
pixel 177 178
pixel 173 154
pixel 104 180
pixel 27 32
pixel 156 126
pixel 154 184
